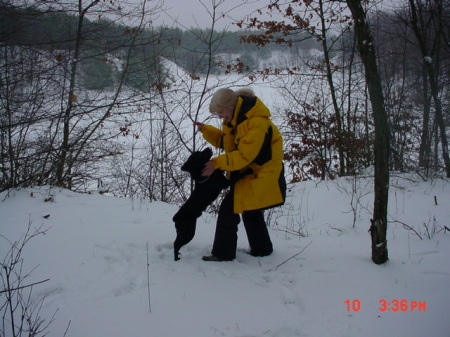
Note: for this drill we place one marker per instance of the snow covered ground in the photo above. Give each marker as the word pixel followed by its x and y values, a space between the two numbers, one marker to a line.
pixel 96 248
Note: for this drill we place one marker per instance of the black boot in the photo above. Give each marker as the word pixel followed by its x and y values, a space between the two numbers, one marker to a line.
pixel 213 258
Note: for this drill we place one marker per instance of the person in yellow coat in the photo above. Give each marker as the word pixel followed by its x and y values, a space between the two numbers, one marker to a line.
pixel 253 160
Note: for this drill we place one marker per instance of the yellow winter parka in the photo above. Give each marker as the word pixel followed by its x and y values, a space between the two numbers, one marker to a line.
pixel 253 155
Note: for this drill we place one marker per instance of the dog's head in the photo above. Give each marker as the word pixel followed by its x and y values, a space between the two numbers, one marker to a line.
pixel 196 162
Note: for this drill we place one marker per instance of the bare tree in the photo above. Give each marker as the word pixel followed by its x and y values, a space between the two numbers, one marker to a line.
pixel 428 23
pixel 160 137
pixel 20 312
pixel 366 49
pixel 56 129
pixel 74 144
pixel 327 23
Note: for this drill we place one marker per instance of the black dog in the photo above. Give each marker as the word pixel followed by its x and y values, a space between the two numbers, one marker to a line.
pixel 206 190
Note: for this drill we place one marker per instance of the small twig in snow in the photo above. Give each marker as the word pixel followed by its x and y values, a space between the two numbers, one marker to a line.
pixel 408 227
pixel 294 255
pixel 148 283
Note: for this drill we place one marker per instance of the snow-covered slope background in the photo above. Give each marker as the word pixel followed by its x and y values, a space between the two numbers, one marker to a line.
pixel 95 252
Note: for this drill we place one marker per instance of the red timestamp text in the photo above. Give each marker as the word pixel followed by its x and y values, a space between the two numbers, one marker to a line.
pixel 393 305
pixel 402 305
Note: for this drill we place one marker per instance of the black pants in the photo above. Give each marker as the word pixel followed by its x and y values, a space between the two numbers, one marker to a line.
pixel 225 239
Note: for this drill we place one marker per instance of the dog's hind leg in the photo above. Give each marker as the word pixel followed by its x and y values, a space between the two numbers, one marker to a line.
pixel 185 233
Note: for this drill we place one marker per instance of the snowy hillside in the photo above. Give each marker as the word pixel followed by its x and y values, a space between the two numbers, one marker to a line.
pixel 96 248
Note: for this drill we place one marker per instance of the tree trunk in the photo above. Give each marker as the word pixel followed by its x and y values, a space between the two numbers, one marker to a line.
pixel 61 172
pixel 329 74
pixel 431 58
pixel 366 49
pixel 425 140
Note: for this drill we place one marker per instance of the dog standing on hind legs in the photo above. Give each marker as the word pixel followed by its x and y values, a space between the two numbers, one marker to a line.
pixel 206 190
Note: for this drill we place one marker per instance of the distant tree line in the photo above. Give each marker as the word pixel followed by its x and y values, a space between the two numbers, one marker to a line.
pixel 58 31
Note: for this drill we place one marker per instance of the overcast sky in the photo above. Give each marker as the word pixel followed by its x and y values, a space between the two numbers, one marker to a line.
pixel 198 13
pixel 193 13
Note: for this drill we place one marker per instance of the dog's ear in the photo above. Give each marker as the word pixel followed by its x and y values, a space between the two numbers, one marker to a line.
pixel 207 154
